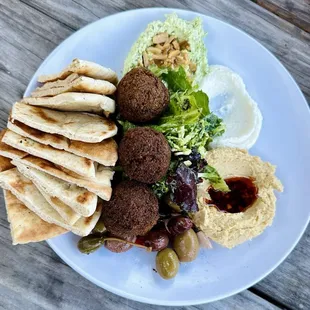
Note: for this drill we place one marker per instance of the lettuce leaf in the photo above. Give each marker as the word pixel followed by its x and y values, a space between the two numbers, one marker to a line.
pixel 214 178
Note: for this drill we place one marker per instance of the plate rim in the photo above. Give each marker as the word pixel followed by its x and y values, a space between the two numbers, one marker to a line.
pixel 123 293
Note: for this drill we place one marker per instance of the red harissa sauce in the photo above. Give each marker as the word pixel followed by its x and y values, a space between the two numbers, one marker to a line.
pixel 242 195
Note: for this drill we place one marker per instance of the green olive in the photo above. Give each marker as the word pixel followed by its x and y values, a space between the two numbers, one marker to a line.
pixel 90 244
pixel 186 246
pixel 172 204
pixel 99 228
pixel 167 263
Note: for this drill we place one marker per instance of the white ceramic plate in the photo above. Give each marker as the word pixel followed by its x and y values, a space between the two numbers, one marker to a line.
pixel 284 141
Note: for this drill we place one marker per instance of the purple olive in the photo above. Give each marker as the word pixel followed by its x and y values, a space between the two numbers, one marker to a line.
pixel 157 240
pixel 118 246
pixel 179 224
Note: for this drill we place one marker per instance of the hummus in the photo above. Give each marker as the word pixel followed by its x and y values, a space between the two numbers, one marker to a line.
pixel 231 229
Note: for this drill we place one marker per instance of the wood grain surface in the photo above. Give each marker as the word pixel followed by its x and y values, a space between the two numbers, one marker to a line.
pixel 295 12
pixel 32 276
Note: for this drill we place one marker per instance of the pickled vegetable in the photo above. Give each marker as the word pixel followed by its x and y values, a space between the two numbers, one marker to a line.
pixel 157 240
pixel 186 246
pixel 167 263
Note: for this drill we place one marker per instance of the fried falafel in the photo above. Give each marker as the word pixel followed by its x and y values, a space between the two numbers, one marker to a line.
pixel 144 154
pixel 132 210
pixel 141 96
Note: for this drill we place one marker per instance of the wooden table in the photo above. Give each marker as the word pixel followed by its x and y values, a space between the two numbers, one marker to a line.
pixel 33 276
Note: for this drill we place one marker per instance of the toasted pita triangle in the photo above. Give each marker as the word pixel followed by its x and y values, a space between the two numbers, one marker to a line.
pixel 100 186
pixel 80 225
pixel 26 226
pixel 8 151
pixel 5 164
pixel 70 161
pixel 73 125
pixel 104 152
pixel 79 199
pixel 67 213
pixel 82 67
pixel 29 195
pixel 75 83
pixel 78 102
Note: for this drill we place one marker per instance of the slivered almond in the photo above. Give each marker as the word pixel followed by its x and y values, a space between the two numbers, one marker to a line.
pixel 173 54
pixel 160 38
pixel 176 44
pixel 171 38
pixel 154 50
pixel 159 57
pixel 145 59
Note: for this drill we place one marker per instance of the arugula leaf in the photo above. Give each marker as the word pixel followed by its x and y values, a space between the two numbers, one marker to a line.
pixel 214 178
pixel 202 102
pixel 177 80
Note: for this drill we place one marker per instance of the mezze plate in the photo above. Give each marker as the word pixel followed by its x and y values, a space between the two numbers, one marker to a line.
pixel 284 141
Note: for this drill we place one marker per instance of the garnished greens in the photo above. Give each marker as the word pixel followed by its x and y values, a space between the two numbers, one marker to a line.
pixel 189 127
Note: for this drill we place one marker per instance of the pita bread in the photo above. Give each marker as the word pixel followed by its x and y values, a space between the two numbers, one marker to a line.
pixel 102 187
pixel 83 225
pixel 75 83
pixel 73 125
pixel 82 67
pixel 29 195
pixel 26 226
pixel 80 165
pixel 80 225
pixel 5 163
pixel 104 152
pixel 68 214
pixel 79 102
pixel 8 151
pixel 79 199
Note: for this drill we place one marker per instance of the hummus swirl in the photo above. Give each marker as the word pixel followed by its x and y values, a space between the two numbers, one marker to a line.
pixel 231 229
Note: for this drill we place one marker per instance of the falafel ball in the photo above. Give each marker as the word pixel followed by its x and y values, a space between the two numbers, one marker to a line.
pixel 144 154
pixel 141 96
pixel 132 210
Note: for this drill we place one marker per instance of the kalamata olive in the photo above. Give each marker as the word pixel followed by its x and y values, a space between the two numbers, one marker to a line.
pixel 167 263
pixel 179 224
pixel 157 240
pixel 90 244
pixel 186 246
pixel 99 228
pixel 118 246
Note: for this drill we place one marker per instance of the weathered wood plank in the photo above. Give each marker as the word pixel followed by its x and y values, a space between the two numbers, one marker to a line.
pixel 288 42
pixel 34 277
pixel 290 282
pixel 295 12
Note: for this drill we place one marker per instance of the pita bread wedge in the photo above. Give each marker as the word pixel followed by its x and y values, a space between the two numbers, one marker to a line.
pixel 80 165
pixel 79 199
pixel 102 188
pixel 82 67
pixel 8 151
pixel 83 225
pixel 29 195
pixel 26 226
pixel 79 102
pixel 73 125
pixel 67 213
pixel 80 225
pixel 5 163
pixel 104 152
pixel 75 83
